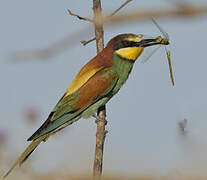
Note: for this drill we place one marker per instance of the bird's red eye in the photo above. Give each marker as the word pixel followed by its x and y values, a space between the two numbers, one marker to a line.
pixel 126 43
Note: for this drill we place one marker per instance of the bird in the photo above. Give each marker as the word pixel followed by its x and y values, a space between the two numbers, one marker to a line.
pixel 95 84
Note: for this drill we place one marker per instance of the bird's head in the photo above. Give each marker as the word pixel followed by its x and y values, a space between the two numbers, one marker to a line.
pixel 130 46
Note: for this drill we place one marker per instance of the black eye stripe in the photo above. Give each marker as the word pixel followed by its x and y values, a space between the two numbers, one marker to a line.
pixel 127 43
pixel 124 44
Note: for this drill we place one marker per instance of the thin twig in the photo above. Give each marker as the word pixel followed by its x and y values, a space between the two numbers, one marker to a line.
pixel 118 9
pixel 112 14
pixel 86 42
pixel 83 42
pixel 80 17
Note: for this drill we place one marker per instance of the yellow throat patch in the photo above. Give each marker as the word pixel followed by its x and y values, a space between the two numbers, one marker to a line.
pixel 130 53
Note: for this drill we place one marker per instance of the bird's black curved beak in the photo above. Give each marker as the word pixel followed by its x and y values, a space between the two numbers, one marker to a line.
pixel 152 42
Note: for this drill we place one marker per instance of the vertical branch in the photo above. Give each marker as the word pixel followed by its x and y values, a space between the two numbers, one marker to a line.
pixel 101 121
pixel 98 26
pixel 101 114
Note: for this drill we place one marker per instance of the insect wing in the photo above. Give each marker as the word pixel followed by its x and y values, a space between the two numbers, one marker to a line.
pixel 164 33
pixel 148 52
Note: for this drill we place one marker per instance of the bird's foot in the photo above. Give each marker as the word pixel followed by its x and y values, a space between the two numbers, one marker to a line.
pixel 99 119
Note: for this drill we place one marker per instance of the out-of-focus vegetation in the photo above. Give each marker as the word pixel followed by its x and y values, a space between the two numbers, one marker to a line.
pixel 26 172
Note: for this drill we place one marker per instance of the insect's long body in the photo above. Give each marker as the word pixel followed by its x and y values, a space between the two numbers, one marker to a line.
pixel 165 41
pixel 96 83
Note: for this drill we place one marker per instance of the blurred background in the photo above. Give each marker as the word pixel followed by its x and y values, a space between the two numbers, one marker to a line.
pixel 154 129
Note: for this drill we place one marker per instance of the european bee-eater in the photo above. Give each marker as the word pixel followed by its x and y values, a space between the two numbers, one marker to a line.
pixel 96 83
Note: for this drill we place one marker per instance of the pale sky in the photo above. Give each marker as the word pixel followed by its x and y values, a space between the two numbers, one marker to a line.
pixel 142 118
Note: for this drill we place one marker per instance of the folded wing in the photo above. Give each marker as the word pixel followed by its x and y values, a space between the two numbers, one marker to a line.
pixel 71 106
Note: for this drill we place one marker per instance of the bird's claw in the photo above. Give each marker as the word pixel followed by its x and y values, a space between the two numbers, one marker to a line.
pixel 99 119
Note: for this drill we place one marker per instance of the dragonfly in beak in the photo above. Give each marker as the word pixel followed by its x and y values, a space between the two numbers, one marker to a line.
pixel 155 44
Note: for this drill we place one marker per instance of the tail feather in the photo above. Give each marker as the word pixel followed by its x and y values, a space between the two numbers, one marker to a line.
pixel 27 153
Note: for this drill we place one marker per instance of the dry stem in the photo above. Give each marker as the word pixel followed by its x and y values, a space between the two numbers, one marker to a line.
pixel 80 17
pixel 118 9
pixel 101 121
pixel 86 42
pixel 112 14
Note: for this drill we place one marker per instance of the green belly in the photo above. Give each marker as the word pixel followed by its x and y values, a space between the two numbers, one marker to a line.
pixel 93 108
